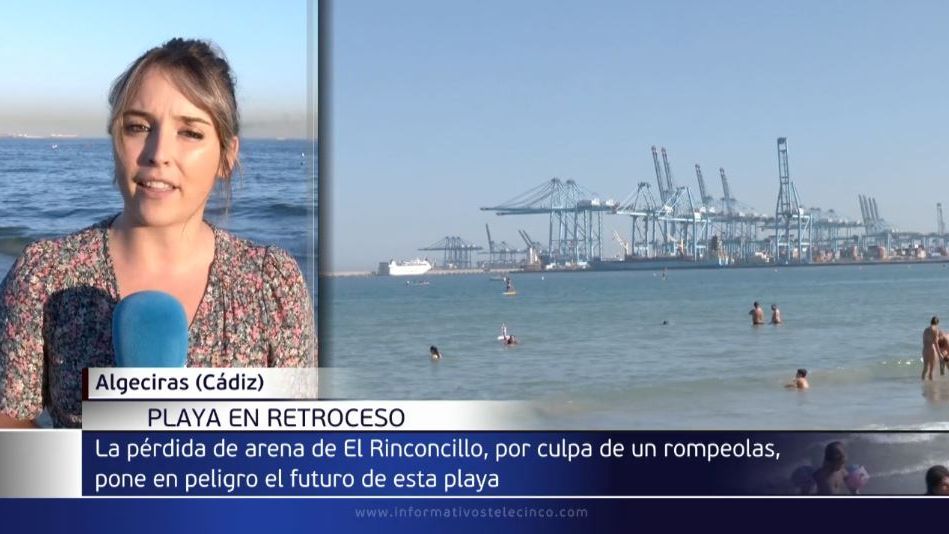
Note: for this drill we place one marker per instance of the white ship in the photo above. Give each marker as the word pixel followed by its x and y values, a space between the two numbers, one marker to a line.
pixel 405 268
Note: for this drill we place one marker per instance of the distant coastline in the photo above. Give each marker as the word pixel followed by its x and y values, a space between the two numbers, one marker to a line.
pixel 697 265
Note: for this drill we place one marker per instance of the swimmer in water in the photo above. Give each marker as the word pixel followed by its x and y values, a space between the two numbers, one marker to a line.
pixel 433 350
pixel 800 380
pixel 506 338
pixel 757 315
pixel 775 314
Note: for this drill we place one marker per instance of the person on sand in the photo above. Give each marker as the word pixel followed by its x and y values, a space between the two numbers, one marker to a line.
pixel 775 314
pixel 800 380
pixel 937 480
pixel 433 350
pixel 757 315
pixel 930 351
pixel 831 476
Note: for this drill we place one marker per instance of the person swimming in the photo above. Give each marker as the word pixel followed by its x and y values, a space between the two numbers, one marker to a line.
pixel 433 350
pixel 505 337
pixel 800 380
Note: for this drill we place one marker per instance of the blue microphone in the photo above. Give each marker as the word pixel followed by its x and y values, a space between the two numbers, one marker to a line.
pixel 150 329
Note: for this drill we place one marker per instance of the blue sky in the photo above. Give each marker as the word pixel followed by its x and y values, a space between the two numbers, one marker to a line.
pixel 440 108
pixel 59 58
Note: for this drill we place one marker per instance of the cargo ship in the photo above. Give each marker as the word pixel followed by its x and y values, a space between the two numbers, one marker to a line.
pixel 404 268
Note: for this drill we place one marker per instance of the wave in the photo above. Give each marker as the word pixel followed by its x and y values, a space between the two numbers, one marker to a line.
pixel 13 230
pixel 902 438
pixel 935 426
pixel 21 170
pixel 13 246
pixel 274 211
pixel 891 369
pixel 911 469
pixel 284 209
pixel 13 239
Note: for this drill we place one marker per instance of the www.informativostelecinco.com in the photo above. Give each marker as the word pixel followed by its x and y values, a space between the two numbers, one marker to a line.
pixel 471 512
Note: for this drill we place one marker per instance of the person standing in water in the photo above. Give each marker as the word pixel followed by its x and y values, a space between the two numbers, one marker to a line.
pixel 757 315
pixel 831 476
pixel 930 350
pixel 943 353
pixel 775 314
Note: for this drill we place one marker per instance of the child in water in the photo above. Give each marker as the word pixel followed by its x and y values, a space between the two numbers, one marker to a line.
pixel 943 346
pixel 505 338
pixel 800 380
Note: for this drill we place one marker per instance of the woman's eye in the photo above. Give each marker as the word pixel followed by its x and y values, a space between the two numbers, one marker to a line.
pixel 193 134
pixel 135 127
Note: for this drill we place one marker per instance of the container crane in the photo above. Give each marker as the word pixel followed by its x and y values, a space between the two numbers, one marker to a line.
pixel 706 199
pixel 659 180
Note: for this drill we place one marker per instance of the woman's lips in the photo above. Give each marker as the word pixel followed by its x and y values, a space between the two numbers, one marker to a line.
pixel 153 188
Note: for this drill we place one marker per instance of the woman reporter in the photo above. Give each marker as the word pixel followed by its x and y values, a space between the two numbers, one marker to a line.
pixel 174 127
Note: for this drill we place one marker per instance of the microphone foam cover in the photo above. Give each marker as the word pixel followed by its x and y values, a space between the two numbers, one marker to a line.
pixel 150 329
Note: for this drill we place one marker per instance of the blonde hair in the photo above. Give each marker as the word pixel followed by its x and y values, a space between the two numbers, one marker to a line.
pixel 201 72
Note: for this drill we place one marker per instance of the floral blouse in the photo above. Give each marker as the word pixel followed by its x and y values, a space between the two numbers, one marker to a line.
pixel 56 318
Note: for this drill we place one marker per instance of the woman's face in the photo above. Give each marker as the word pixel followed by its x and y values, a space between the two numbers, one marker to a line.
pixel 167 154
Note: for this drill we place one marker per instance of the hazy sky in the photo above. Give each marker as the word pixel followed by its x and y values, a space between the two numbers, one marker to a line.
pixel 58 59
pixel 443 107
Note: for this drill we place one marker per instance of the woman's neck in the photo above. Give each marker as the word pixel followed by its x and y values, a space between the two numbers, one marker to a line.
pixel 156 249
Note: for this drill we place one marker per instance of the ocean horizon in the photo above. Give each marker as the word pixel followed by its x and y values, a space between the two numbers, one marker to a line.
pixel 54 186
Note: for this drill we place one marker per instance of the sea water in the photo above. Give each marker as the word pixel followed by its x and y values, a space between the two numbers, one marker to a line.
pixel 636 350
pixel 594 353
pixel 52 187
